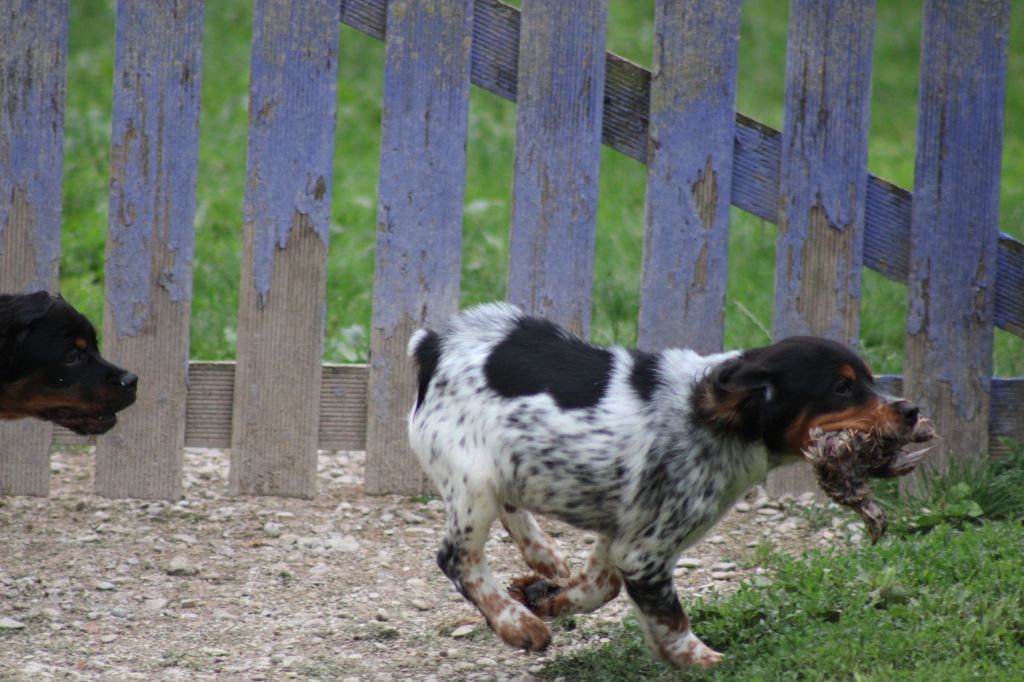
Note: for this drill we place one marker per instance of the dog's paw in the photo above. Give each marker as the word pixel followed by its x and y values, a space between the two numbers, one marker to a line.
pixel 522 630
pixel 537 594
pixel 690 651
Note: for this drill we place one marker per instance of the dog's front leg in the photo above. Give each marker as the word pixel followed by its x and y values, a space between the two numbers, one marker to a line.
pixel 661 616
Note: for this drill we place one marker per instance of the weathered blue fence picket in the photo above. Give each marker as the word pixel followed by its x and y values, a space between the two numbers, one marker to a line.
pixel 274 408
pixel 822 179
pixel 691 127
pixel 422 176
pixel 32 86
pixel 154 142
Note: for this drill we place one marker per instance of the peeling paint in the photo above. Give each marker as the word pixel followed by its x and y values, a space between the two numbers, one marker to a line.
pixel 558 138
pixel 33 52
pixel 705 194
pixel 153 160
pixel 292 104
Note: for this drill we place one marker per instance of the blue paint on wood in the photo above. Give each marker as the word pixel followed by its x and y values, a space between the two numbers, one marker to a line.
pixel 689 174
pixel 823 176
pixel 954 241
pixel 33 65
pixel 419 223
pixel 292 91
pixel 422 165
pixel 1005 419
pixel 558 139
pixel 756 158
pixel 157 85
pixel 1009 307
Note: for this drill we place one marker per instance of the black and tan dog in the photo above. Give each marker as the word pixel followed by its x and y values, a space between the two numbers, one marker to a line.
pixel 51 368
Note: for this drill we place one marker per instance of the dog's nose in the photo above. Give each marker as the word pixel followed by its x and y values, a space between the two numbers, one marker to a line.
pixel 908 411
pixel 129 381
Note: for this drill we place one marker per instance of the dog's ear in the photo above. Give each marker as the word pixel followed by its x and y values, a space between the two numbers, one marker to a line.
pixel 18 314
pixel 734 397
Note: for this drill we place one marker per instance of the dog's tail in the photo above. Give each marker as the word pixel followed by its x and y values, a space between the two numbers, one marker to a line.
pixel 416 339
pixel 425 349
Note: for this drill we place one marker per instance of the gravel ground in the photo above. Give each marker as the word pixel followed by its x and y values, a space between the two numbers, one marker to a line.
pixel 343 587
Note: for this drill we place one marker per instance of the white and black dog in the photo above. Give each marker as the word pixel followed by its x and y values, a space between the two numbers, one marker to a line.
pixel 647 451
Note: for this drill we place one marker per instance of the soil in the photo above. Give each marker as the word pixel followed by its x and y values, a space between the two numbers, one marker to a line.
pixel 341 587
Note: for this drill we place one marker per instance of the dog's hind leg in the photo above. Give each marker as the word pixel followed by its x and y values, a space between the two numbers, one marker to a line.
pixel 587 590
pixel 539 550
pixel 471 511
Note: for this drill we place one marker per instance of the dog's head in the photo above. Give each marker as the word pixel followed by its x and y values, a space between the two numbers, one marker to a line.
pixel 51 368
pixel 780 392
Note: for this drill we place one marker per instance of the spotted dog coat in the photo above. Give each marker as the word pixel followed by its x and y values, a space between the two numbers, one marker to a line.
pixel 647 451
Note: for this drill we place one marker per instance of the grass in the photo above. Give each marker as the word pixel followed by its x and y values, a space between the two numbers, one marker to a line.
pixel 940 597
pixel 221 180
pixel 948 605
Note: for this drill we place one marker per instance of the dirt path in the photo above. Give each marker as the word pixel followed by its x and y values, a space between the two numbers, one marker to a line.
pixel 343 587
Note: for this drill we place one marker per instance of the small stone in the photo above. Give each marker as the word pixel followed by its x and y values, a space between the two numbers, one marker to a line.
pixel 724 575
pixel 185 538
pixel 155 604
pixel 272 530
pixel 724 566
pixel 180 565
pixel 419 604
pixel 341 543
pixel 463 631
pixel 188 603
pixel 119 612
pixel 767 511
pixel 787 526
pixel 716 540
pixel 382 615
pixel 485 662
pixel 690 562
pixel 103 586
pixel 10 624
pixel 107 639
pixel 292 662
pixel 742 507
pixel 276 658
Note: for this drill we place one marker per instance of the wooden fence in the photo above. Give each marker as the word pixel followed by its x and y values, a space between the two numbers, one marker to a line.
pixel 274 407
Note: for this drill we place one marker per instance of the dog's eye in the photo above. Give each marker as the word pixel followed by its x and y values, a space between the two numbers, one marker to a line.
pixel 73 357
pixel 844 387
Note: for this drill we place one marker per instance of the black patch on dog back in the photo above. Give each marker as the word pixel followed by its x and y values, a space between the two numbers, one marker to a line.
pixel 428 354
pixel 540 357
pixel 644 377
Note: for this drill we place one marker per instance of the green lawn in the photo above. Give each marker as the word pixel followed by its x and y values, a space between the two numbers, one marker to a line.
pixel 489 180
pixel 948 605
